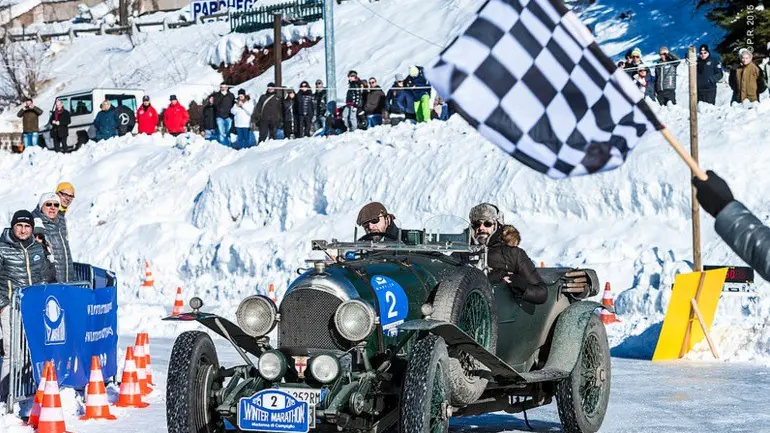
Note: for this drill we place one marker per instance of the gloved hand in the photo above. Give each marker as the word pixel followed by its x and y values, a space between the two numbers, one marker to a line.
pixel 713 193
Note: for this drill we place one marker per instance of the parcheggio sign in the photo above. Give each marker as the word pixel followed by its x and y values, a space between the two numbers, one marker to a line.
pixel 209 7
pixel 69 325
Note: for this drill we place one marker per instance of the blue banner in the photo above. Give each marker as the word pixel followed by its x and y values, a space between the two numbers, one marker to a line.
pixel 69 324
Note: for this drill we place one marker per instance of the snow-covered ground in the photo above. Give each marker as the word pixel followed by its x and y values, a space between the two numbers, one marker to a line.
pixel 645 397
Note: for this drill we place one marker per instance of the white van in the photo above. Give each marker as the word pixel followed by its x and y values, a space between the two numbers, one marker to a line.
pixel 84 105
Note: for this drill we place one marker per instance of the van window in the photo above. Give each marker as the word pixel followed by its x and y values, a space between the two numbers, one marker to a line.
pixel 80 105
pixel 122 100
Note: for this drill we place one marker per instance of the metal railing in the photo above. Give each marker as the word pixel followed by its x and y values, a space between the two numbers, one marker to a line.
pixel 262 18
pixel 72 33
pixel 21 378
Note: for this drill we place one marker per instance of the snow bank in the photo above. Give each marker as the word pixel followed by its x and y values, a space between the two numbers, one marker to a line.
pixel 226 224
pixel 230 48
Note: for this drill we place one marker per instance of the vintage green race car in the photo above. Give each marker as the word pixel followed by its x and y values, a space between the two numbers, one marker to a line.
pixel 393 334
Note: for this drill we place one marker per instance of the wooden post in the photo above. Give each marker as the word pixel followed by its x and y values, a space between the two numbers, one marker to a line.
pixel 706 333
pixel 692 63
pixel 277 48
pixel 688 330
pixel 123 12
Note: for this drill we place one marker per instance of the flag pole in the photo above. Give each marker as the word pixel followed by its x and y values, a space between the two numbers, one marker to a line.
pixel 688 159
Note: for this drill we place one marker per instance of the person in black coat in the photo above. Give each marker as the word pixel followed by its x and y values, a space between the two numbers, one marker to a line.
pixel 60 121
pixel 224 101
pixel 267 114
pixel 508 263
pixel 290 115
pixel 709 73
pixel 320 105
pixel 306 110
pixel 743 232
pixel 209 119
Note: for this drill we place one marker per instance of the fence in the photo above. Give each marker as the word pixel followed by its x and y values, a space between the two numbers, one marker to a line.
pixel 104 30
pixel 262 18
pixel 21 383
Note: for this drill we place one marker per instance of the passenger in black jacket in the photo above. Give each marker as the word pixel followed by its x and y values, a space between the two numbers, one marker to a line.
pixel 224 101
pixel 209 120
pixel 60 121
pixel 320 105
pixel 290 115
pixel 709 73
pixel 743 232
pixel 508 263
pixel 305 110
pixel 268 113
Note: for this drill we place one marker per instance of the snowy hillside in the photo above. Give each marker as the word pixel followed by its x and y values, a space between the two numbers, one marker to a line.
pixel 225 224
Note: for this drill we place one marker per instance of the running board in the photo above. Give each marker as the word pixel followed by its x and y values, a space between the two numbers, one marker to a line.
pixel 457 339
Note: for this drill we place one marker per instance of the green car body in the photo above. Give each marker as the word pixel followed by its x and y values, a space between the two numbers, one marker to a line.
pixel 537 346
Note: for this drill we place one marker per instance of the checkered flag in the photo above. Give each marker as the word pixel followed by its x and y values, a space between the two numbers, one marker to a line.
pixel 530 77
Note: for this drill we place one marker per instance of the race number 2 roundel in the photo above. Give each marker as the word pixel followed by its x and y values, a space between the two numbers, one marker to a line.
pixel 394 305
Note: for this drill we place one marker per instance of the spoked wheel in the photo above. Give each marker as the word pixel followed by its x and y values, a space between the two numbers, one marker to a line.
pixel 425 396
pixel 191 394
pixel 467 301
pixel 582 398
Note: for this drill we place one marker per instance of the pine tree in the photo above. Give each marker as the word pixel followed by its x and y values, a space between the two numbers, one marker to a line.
pixel 747 23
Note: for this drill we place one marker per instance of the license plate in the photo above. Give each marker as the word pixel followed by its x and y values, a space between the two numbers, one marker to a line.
pixel 310 396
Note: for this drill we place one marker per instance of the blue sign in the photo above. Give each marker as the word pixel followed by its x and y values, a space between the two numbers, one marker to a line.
pixel 210 7
pixel 394 304
pixel 69 324
pixel 271 410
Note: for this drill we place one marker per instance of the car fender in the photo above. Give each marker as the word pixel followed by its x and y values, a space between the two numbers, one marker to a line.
pixel 568 336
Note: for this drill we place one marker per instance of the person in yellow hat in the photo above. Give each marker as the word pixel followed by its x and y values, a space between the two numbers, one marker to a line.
pixel 66 193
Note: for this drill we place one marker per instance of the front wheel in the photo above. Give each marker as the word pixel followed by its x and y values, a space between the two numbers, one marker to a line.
pixel 425 394
pixel 192 385
pixel 582 397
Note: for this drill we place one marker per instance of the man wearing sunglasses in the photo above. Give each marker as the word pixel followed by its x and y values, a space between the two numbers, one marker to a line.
pixel 22 264
pixel 709 69
pixel 375 219
pixel 508 263
pixel 48 211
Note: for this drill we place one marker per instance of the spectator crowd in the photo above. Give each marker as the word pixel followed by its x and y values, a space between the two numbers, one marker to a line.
pixel 35 249
pixel 278 113
pixel 747 80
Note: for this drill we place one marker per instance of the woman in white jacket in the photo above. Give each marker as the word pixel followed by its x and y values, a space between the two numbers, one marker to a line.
pixel 242 119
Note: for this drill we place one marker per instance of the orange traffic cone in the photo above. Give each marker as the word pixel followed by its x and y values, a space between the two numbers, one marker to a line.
pixel 130 393
pixel 542 264
pixel 141 365
pixel 34 414
pixel 146 342
pixel 97 403
pixel 271 293
pixel 607 316
pixel 149 281
pixel 51 414
pixel 178 303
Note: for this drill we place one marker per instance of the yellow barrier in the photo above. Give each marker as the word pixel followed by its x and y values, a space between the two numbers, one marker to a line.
pixel 694 298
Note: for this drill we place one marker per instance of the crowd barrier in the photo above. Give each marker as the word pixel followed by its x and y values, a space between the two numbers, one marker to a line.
pixel 67 338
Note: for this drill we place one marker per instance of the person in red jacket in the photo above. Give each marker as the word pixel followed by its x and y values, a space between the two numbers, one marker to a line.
pixel 146 117
pixel 175 118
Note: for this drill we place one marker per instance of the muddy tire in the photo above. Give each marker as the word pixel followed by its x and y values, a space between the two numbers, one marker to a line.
pixel 192 380
pixel 582 397
pixel 425 396
pixel 466 300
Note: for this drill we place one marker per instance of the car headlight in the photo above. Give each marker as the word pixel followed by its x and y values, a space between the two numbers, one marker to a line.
pixel 354 320
pixel 324 368
pixel 272 365
pixel 256 315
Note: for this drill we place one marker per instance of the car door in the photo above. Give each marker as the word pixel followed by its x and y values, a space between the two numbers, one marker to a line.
pixel 81 109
